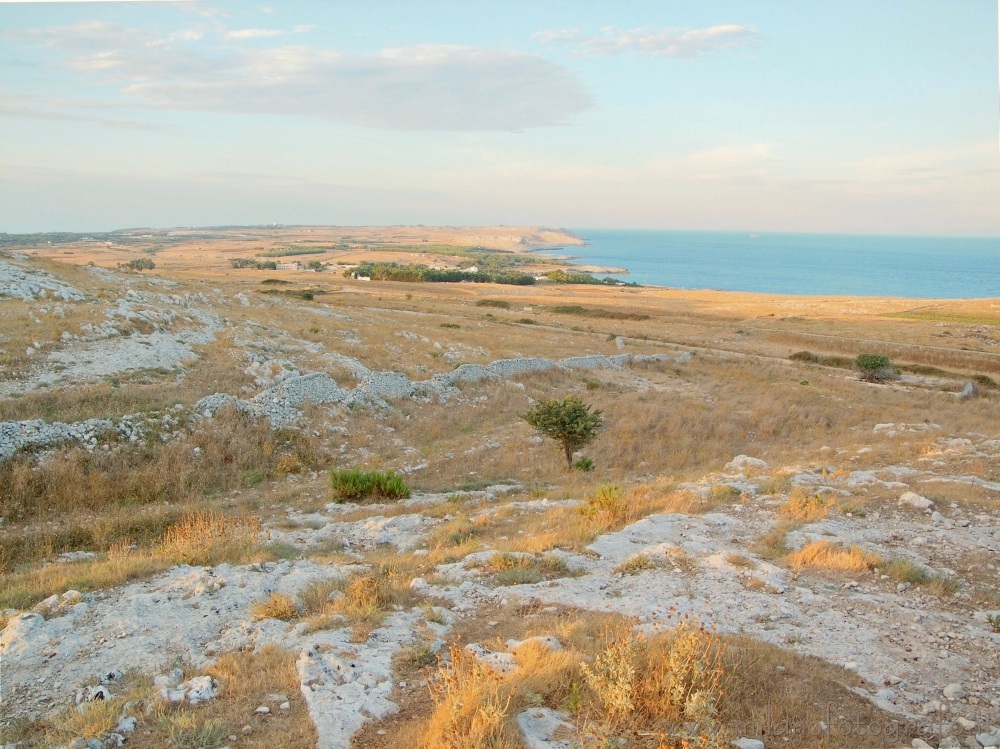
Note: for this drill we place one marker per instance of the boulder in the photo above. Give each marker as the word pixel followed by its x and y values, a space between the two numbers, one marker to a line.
pixel 915 500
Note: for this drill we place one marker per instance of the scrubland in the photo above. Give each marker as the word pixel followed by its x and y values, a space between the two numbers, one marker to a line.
pixel 795 597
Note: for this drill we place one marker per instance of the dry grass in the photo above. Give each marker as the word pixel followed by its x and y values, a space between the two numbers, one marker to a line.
pixel 627 685
pixel 89 720
pixel 804 506
pixel 773 544
pixel 369 596
pixel 246 680
pixel 634 565
pixel 92 722
pixel 831 556
pixel 620 685
pixel 200 538
pixel 275 606
pixel 81 500
pixel 233 450
pixel 513 569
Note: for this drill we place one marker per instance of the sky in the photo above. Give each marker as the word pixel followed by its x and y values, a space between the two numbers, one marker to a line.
pixel 750 115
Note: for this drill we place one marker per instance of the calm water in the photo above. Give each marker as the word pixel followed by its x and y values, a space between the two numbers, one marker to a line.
pixel 927 267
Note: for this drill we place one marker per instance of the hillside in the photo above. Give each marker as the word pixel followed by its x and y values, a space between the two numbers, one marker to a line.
pixel 766 548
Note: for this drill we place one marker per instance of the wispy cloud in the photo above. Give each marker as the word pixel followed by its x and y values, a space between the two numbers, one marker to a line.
pixel 254 33
pixel 37 108
pixel 670 42
pixel 267 33
pixel 426 87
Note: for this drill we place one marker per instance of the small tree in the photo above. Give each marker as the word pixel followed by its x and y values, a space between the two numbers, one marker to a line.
pixel 874 367
pixel 569 422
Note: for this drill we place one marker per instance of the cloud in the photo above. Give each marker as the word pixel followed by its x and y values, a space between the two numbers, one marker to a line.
pixel 425 87
pixel 39 108
pixel 267 33
pixel 670 42
pixel 254 33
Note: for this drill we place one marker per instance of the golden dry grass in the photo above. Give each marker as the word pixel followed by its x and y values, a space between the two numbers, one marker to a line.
pixel 805 506
pixel 617 683
pixel 831 556
pixel 201 538
pixel 275 606
pixel 246 680
pixel 82 500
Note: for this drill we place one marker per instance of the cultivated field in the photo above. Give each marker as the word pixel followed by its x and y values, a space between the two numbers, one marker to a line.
pixel 196 550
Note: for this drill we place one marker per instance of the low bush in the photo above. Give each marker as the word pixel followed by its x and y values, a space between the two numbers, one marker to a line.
pixel 353 484
pixel 497 303
pixel 874 367
pixel 143 263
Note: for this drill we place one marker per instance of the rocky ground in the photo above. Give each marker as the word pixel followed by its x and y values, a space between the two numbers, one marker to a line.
pixel 925 656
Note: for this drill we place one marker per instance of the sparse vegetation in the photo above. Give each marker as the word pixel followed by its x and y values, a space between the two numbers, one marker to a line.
pixel 201 491
pixel 634 565
pixel 292 251
pixel 514 569
pixel 602 314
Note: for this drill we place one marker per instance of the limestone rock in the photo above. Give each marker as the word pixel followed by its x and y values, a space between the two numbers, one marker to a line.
pixel 745 743
pixel 915 500
pixel 742 463
pixel 954 691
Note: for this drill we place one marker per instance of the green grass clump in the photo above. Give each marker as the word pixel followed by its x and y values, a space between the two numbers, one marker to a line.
pixel 357 485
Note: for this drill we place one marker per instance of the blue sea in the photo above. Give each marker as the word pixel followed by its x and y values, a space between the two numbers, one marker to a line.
pixel 814 264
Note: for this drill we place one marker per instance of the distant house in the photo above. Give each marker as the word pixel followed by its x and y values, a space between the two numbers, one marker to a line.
pixel 289 266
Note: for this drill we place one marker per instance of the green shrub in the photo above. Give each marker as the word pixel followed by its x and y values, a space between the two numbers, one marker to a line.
pixel 584 464
pixel 564 277
pixel 570 422
pixel 874 367
pixel 143 263
pixel 355 484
